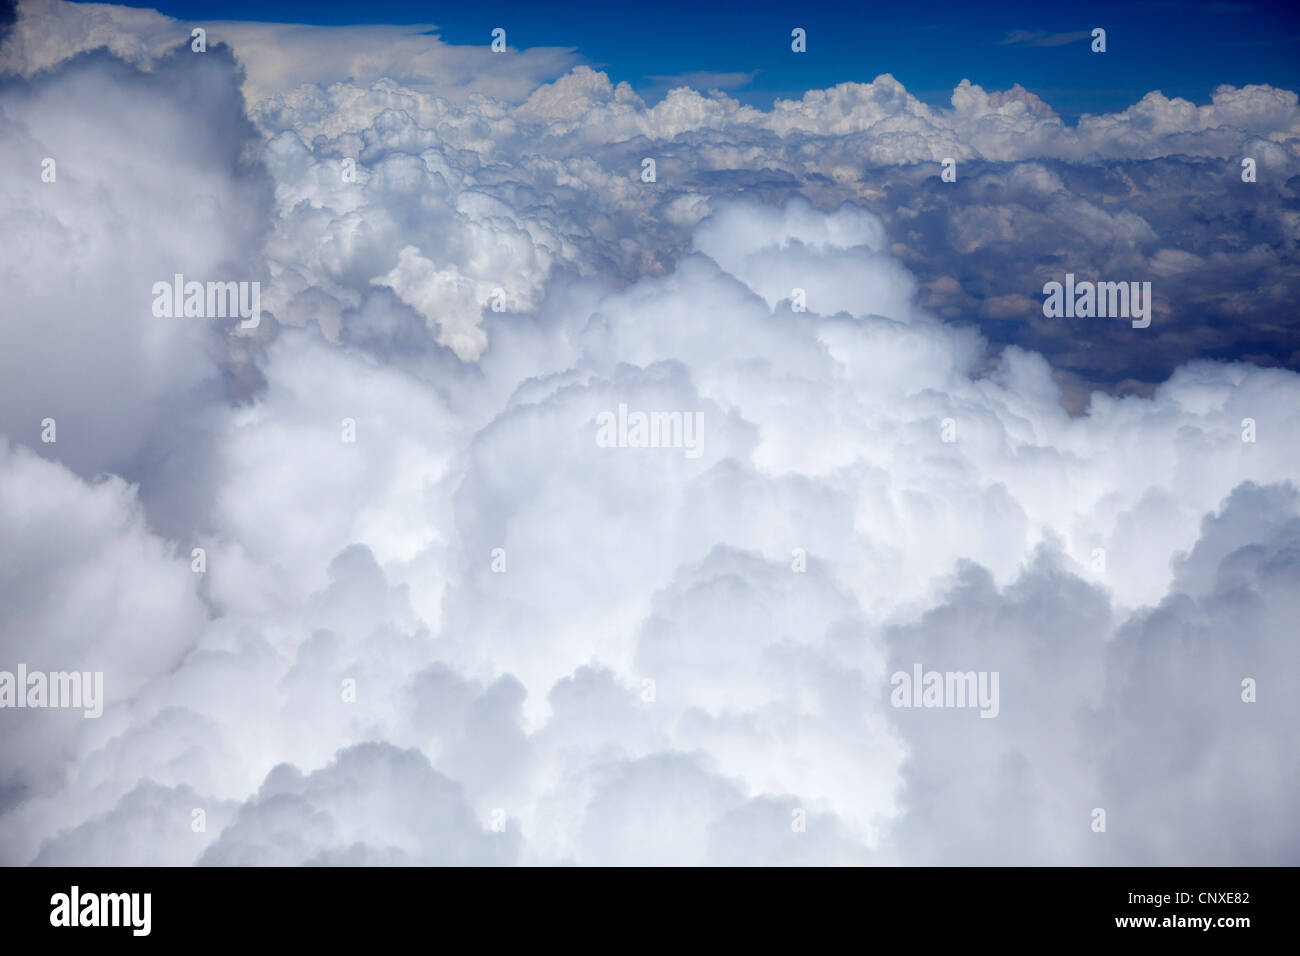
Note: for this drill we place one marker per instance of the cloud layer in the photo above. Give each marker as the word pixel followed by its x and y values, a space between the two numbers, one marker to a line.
pixel 475 635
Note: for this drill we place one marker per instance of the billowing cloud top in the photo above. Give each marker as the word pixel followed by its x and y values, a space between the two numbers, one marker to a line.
pixel 454 604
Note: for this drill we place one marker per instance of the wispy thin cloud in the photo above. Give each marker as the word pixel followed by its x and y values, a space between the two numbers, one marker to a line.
pixel 706 80
pixel 1042 38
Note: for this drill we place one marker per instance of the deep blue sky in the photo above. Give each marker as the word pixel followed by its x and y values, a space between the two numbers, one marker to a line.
pixel 1183 49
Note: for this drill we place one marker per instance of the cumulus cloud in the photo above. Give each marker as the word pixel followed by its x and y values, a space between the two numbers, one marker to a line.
pixel 1141 716
pixel 278 57
pixel 457 149
pixel 373 805
pixel 1034 199
pixel 440 622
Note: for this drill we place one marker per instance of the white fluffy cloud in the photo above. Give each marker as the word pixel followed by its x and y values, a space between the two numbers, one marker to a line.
pixel 278 57
pixel 563 652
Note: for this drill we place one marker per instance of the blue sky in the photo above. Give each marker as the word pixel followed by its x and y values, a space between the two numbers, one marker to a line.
pixel 1182 49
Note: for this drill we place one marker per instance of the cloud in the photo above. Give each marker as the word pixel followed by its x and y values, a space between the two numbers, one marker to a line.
pixel 1042 38
pixel 280 57
pixel 84 586
pixel 140 194
pixel 475 634
pixel 706 80
pixel 373 805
